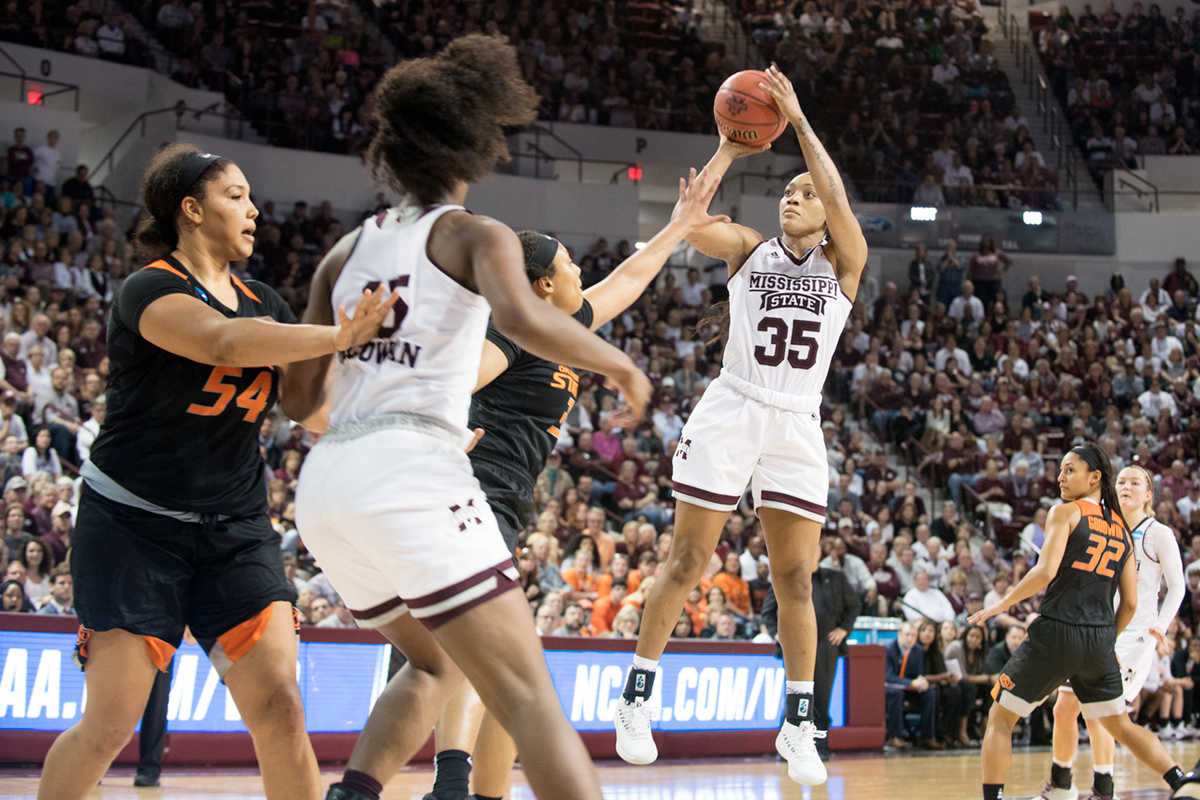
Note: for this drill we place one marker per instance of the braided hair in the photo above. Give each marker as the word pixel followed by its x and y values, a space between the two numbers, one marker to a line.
pixel 1097 461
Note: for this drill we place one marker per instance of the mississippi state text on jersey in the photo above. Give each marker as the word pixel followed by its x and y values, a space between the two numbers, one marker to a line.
pixel 786 315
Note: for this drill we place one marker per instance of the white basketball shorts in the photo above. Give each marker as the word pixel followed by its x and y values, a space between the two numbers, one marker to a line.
pixel 741 434
pixel 398 522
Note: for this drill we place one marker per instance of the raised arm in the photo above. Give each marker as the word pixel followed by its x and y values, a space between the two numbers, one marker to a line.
pixel 625 285
pixel 497 265
pixel 849 251
pixel 727 241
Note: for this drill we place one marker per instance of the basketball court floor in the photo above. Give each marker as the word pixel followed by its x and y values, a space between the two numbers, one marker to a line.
pixel 944 776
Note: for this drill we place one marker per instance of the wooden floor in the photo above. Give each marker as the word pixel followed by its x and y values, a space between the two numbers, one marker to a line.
pixel 943 776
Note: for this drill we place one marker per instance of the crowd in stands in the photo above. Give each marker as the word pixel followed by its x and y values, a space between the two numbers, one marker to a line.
pixel 908 93
pixel 910 98
pixel 302 72
pixel 1129 83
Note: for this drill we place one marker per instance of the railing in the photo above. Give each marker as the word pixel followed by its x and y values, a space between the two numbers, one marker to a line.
pixel 536 146
pixel 1130 180
pixel 25 82
pixel 180 111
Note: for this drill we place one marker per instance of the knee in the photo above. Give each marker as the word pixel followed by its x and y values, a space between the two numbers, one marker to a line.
pixel 107 738
pixel 794 585
pixel 686 563
pixel 279 708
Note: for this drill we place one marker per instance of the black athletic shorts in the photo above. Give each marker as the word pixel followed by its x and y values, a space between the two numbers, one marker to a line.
pixel 1056 652
pixel 152 575
pixel 512 505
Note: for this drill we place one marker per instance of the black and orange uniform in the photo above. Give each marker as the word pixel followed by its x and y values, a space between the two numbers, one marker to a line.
pixel 1075 637
pixel 172 527
pixel 522 413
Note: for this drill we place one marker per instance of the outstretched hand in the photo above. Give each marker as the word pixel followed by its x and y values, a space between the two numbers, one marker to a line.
pixel 980 617
pixel 782 91
pixel 369 315
pixel 695 194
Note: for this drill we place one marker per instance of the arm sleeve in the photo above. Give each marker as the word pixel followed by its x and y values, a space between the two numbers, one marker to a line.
pixel 1171 562
pixel 277 307
pixel 506 346
pixel 585 315
pixel 141 289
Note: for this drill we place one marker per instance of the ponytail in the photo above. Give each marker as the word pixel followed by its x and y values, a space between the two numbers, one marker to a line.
pixel 718 315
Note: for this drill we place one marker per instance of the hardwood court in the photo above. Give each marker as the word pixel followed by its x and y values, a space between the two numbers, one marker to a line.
pixel 948 776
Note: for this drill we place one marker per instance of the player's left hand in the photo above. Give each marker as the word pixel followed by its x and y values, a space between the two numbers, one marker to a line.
pixel 372 309
pixel 476 435
pixel 695 194
pixel 1159 636
pixel 980 617
pixel 784 94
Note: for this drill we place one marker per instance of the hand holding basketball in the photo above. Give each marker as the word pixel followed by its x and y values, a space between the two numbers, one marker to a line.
pixel 736 149
pixel 783 93
pixel 694 197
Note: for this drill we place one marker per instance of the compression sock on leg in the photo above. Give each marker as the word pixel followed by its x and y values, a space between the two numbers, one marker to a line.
pixel 640 683
pixel 451 776
pixel 1102 780
pixel 993 791
pixel 1173 777
pixel 1060 774
pixel 799 701
pixel 362 783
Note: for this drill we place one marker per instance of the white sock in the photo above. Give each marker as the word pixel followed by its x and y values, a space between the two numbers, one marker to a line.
pixel 801 687
pixel 1064 764
pixel 1102 769
pixel 645 663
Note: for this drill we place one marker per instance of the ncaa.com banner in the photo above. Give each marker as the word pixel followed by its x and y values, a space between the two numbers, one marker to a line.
pixel 42 689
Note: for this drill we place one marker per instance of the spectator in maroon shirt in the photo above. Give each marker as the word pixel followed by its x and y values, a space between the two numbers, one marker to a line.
pixel 887 583
pixel 878 472
pixel 1179 279
pixel 42 518
pixel 15 377
pixel 88 347
pixel 633 497
pixel 20 160
pixel 991 488
pixel 1177 480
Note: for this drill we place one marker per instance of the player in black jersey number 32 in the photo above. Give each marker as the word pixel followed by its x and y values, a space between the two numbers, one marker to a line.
pixel 172 528
pixel 1086 557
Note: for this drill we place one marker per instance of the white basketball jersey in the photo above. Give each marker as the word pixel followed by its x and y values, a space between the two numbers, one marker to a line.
pixel 1149 539
pixel 425 358
pixel 786 319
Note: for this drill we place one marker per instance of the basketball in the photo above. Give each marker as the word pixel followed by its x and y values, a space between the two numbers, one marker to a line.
pixel 746 113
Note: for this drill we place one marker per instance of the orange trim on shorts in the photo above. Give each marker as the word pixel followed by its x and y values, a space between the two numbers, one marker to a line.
pixel 237 641
pixel 81 643
pixel 160 264
pixel 161 653
pixel 238 283
pixel 996 690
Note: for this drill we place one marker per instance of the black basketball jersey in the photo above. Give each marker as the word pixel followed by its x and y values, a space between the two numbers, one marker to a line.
pixel 1082 592
pixel 523 410
pixel 181 434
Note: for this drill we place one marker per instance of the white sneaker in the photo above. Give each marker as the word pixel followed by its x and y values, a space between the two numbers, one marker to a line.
pixel 1052 792
pixel 635 743
pixel 795 743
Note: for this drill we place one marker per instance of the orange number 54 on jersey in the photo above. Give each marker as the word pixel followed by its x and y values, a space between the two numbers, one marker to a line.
pixel 253 399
